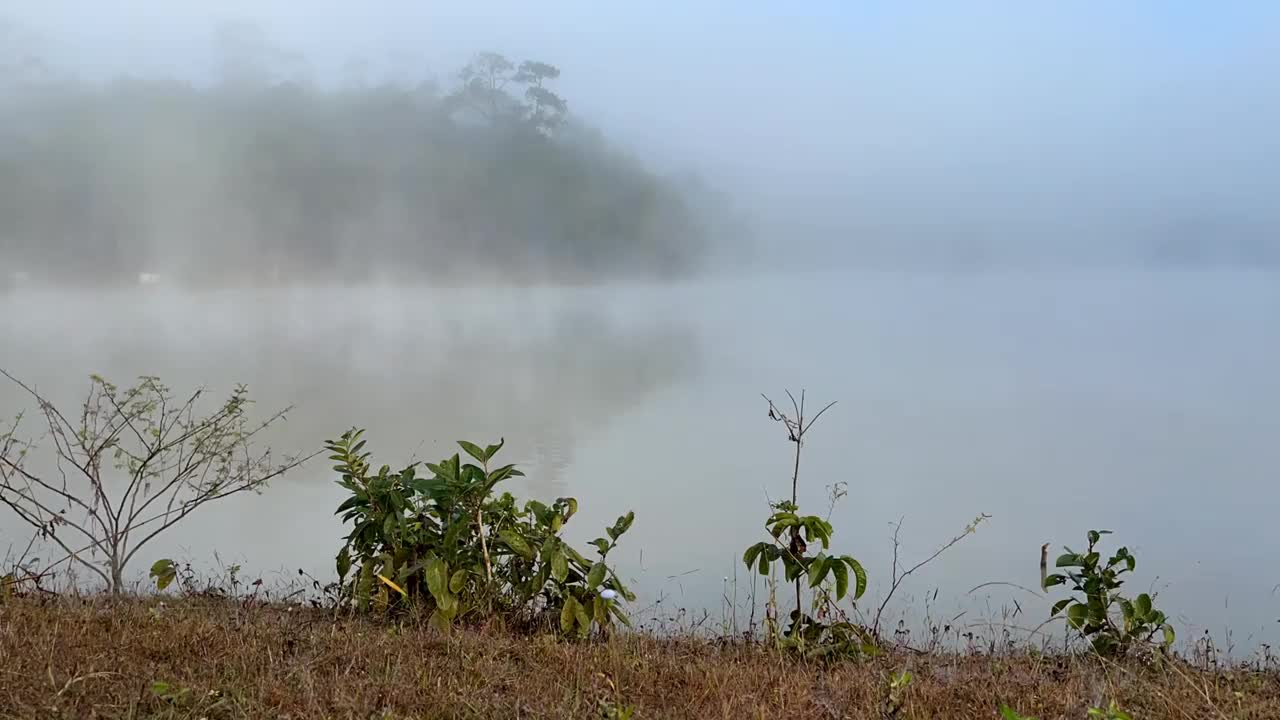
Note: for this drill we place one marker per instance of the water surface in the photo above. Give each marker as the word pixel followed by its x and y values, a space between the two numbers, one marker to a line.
pixel 1140 401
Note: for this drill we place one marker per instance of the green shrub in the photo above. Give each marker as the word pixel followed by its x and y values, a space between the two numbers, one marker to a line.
pixel 1112 623
pixel 445 542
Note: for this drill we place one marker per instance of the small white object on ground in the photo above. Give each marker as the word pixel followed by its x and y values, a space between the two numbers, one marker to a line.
pixel 608 594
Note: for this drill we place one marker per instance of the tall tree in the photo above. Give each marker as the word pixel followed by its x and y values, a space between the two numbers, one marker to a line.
pixel 545 110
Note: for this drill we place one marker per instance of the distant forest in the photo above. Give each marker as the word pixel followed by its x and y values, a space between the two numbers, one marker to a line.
pixel 257 176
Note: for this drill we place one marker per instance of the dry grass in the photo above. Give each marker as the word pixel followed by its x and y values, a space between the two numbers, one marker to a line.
pixel 95 658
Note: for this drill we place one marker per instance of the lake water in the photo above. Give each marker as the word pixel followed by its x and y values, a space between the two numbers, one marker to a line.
pixel 1147 402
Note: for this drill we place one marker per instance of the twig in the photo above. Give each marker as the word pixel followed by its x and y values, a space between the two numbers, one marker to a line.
pixel 899 578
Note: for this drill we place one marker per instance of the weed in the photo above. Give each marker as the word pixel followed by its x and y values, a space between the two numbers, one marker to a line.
pixel 1008 713
pixel 1094 612
pixel 1113 712
pixel 895 695
pixel 806 633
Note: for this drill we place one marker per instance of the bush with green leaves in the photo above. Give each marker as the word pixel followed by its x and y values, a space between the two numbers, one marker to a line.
pixel 445 542
pixel 827 575
pixel 1111 622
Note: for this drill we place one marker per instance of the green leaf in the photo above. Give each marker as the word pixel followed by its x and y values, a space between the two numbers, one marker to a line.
pixel 439 622
pixel 1078 615
pixel 1094 536
pixel 1051 580
pixel 1057 607
pixel 595 576
pixel 621 525
pixel 1142 606
pixel 859 574
pixel 492 450
pixel 447 604
pixel 584 619
pixel 749 557
pixel 1097 610
pixel 841 571
pixel 457 582
pixel 1069 560
pixel 1008 713
pixel 819 569
pixel 516 543
pixel 559 565
pixel 1169 636
pixel 164 571
pixel 437 577
pixel 568 614
pixel 619 613
pixel 473 450
pixel 343 562
pixel 764 563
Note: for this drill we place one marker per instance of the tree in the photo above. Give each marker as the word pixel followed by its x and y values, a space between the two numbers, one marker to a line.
pixel 484 89
pixel 546 110
pixel 484 82
pixel 129 465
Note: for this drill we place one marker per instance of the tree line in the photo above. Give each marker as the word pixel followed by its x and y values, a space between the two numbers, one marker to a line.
pixel 264 177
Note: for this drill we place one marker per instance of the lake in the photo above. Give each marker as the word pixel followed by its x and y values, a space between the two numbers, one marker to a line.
pixel 1145 402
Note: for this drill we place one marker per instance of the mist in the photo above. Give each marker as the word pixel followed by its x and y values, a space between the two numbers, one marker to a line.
pixel 1031 249
pixel 864 134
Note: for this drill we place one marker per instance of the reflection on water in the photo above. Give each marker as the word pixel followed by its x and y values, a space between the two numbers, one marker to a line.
pixel 1143 402
pixel 418 369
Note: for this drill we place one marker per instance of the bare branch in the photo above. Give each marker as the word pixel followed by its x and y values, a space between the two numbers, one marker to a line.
pixel 899 577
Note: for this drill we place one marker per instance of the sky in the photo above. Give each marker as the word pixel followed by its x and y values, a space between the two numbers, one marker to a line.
pixel 827 118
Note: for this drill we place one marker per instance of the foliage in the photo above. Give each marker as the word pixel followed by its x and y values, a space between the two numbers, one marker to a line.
pixel 610 704
pixel 132 463
pixel 1112 712
pixel 447 541
pixel 1111 622
pixel 828 576
pixel 164 572
pixel 895 695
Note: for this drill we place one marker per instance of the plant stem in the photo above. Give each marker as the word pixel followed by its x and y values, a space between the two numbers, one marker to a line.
pixel 795 482
pixel 484 547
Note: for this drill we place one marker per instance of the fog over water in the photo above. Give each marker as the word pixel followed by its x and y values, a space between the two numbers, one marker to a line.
pixel 1031 252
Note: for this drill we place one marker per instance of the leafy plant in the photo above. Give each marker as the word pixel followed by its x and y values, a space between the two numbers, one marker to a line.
pixel 610 705
pixel 895 695
pixel 164 572
pixel 1008 713
pixel 1113 712
pixel 827 575
pixel 1100 613
pixel 446 541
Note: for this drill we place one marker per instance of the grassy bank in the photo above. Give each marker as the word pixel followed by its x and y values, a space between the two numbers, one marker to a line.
pixel 178 658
